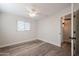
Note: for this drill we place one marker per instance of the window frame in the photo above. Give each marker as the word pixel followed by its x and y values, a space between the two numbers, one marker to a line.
pixel 24 26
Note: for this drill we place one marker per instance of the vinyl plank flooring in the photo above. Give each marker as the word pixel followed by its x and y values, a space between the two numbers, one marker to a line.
pixel 34 48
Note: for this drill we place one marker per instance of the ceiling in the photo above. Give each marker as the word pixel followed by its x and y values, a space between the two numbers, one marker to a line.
pixel 45 9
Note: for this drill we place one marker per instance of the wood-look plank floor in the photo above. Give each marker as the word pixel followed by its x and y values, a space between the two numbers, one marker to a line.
pixel 35 48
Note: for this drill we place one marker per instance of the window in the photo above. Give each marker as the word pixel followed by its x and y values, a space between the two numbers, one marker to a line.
pixel 23 26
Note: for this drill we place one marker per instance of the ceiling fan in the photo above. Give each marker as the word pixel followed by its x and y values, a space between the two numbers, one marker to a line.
pixel 32 12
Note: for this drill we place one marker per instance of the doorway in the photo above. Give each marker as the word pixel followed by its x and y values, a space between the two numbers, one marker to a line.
pixel 66 32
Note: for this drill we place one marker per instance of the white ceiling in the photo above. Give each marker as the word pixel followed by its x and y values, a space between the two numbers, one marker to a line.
pixel 45 9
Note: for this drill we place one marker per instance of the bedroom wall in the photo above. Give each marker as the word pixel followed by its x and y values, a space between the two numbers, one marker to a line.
pixel 47 29
pixel 8 30
pixel 50 28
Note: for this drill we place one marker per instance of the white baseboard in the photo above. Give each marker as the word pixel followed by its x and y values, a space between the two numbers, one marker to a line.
pixel 59 45
pixel 14 43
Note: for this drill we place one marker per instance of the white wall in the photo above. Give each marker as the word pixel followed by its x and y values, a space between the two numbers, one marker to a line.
pixel 0 28
pixel 47 29
pixel 50 28
pixel 9 34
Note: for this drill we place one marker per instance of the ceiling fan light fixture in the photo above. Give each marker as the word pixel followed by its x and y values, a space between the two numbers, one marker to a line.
pixel 32 14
